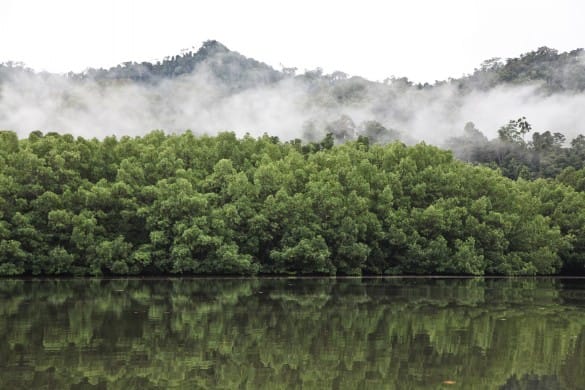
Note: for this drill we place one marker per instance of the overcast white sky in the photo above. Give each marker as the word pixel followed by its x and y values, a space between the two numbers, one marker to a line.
pixel 424 40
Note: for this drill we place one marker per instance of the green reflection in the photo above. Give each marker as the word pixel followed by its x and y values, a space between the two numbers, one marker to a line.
pixel 292 333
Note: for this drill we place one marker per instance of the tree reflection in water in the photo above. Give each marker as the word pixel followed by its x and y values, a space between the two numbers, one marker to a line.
pixel 292 333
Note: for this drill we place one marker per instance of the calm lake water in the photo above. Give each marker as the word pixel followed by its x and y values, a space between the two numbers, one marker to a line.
pixel 292 333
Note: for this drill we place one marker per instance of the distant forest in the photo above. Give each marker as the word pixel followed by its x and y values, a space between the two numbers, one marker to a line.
pixel 556 71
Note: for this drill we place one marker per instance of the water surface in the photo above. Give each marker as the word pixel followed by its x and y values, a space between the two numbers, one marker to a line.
pixel 292 333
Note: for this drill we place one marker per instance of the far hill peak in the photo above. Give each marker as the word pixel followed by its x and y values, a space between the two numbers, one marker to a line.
pixel 227 65
pixel 212 47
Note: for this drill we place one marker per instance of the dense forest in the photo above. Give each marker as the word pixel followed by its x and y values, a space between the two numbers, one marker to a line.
pixel 186 204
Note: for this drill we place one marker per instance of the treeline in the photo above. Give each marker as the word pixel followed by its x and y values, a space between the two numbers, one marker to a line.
pixel 518 152
pixel 553 71
pixel 182 204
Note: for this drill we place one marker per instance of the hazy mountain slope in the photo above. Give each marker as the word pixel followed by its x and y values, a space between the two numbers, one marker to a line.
pixel 216 89
pixel 556 72
pixel 229 66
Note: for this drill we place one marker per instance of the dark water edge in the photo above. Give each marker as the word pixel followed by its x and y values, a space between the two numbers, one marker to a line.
pixel 340 333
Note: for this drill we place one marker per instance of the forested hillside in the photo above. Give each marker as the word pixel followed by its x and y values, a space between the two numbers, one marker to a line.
pixel 186 204
pixel 216 89
pixel 231 67
pixel 556 72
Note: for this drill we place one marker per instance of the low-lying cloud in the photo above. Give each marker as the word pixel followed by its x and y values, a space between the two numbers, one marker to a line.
pixel 203 103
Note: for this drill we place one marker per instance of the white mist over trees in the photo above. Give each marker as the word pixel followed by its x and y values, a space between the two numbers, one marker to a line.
pixel 215 89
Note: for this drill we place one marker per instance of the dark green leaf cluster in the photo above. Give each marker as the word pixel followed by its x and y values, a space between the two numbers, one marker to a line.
pixel 181 204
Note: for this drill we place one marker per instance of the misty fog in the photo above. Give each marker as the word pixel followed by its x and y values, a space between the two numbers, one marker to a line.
pixel 204 103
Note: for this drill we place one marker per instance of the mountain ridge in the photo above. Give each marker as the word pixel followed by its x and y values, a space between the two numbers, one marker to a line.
pixel 557 71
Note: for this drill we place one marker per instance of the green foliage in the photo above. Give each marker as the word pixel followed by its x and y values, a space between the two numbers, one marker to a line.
pixel 180 204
